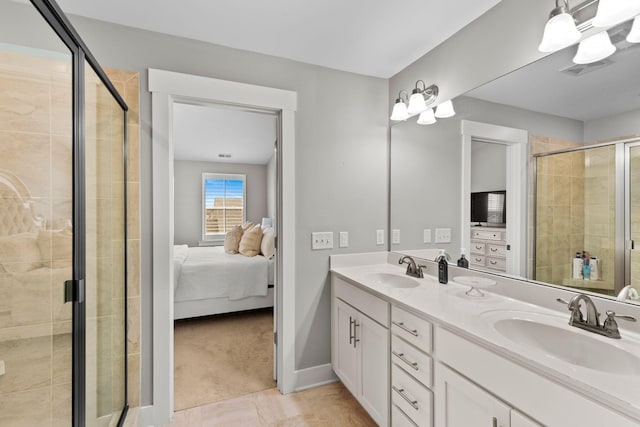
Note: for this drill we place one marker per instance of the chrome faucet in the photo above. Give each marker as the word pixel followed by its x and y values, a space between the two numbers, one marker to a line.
pixel 413 270
pixel 592 323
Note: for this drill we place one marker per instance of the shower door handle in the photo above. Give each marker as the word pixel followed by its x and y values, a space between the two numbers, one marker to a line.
pixel 74 291
pixel 630 245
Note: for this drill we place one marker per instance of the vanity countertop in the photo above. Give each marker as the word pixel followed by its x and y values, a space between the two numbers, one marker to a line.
pixel 470 317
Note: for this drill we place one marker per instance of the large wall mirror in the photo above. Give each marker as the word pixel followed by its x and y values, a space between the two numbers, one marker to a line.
pixel 536 176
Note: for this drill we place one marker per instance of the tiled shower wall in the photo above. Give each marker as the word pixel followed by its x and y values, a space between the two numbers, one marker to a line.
pixel 35 327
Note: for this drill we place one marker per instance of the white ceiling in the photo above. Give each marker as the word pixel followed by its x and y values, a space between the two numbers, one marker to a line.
pixel 606 91
pixel 376 38
pixel 203 132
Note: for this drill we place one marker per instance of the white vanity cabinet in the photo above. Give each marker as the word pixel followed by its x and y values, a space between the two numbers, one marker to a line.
pixel 411 369
pixel 360 347
pixel 462 403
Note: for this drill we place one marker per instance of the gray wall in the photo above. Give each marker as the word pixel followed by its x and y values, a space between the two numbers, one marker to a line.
pixel 188 195
pixel 341 178
pixel 613 127
pixel 488 166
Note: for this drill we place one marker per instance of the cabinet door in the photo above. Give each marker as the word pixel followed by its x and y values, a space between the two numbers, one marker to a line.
pixel 345 364
pixel 520 420
pixel 373 349
pixel 461 403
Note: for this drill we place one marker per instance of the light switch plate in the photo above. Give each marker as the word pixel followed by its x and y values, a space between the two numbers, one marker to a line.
pixel 379 237
pixel 443 235
pixel 395 237
pixel 344 239
pixel 427 235
pixel 321 240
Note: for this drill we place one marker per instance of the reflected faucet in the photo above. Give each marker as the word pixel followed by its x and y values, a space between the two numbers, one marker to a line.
pixel 592 323
pixel 413 270
pixel 628 292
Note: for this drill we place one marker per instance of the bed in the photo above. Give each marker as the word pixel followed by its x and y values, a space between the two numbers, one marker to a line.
pixel 208 281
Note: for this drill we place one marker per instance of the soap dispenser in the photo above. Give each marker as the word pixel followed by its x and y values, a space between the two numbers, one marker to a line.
pixel 463 261
pixel 443 267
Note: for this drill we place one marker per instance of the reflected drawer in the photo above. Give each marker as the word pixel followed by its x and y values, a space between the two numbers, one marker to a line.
pixel 497 250
pixel 414 399
pixel 497 263
pixel 412 328
pixel 476 260
pixel 413 361
pixel 400 419
pixel 486 235
pixel 477 248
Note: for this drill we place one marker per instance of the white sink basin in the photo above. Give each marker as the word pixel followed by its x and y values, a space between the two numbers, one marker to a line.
pixel 395 280
pixel 554 337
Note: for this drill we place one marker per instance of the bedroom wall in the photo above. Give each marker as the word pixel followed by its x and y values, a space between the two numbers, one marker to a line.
pixel 188 195
pixel 341 165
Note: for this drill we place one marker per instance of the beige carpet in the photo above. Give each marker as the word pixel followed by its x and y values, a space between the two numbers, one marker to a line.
pixel 224 356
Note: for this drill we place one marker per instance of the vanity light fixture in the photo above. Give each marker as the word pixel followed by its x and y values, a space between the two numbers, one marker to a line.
pixel 421 97
pixel 594 48
pixel 634 34
pixel 612 12
pixel 445 110
pixel 427 117
pixel 399 112
pixel 560 30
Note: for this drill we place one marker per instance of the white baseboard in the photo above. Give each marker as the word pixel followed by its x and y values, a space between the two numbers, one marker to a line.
pixel 313 377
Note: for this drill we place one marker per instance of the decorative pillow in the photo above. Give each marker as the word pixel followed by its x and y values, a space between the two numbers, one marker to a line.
pixel 250 243
pixel 268 244
pixel 19 253
pixel 232 240
pixel 56 247
pixel 247 225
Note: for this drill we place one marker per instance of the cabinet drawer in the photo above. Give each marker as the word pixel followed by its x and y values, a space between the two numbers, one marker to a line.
pixel 497 250
pixel 412 328
pixel 413 398
pixel 413 361
pixel 400 419
pixel 486 235
pixel 496 263
pixel 476 259
pixel 477 248
pixel 370 305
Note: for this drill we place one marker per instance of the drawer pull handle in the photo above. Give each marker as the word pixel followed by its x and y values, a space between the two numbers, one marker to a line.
pixel 478 259
pixel 355 333
pixel 400 356
pixel 495 422
pixel 351 334
pixel 493 262
pixel 400 391
pixel 494 249
pixel 478 247
pixel 400 325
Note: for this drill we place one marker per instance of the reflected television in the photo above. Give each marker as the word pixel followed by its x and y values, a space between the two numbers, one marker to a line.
pixel 489 207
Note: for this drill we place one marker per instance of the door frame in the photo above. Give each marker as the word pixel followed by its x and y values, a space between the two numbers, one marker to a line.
pixel 517 142
pixel 167 87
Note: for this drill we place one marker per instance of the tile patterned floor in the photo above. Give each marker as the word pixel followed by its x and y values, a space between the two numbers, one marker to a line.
pixel 328 405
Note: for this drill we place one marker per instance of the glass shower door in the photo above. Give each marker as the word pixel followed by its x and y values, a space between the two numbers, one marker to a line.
pixel 632 249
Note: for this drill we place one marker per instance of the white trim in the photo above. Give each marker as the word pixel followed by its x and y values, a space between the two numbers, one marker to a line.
pixel 314 377
pixel 517 142
pixel 168 87
pixel 145 418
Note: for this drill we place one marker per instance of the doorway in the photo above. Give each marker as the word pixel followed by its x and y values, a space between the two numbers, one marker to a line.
pixel 170 87
pixel 225 181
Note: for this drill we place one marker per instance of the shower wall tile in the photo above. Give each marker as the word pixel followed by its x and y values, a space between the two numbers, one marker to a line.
pixel 26 153
pixel 26 298
pixel 26 408
pixel 25 103
pixel 62 405
pixel 27 364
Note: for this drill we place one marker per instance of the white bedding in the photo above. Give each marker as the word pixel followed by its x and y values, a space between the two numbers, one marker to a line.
pixel 210 272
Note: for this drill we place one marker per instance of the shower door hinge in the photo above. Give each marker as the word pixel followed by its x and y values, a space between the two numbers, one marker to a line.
pixel 73 291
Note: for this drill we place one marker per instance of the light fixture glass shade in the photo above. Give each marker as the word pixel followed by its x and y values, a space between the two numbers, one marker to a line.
pixel 634 34
pixel 416 104
pixel 560 32
pixel 399 112
pixel 594 48
pixel 427 117
pixel 612 12
pixel 445 110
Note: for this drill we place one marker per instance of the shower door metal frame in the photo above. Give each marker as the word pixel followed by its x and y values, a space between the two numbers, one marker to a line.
pixel 60 24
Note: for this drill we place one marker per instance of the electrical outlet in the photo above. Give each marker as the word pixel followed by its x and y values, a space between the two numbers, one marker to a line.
pixel 322 240
pixel 427 235
pixel 443 235
pixel 379 237
pixel 395 237
pixel 344 239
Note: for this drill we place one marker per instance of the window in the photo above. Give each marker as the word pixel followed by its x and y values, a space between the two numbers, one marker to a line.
pixel 223 201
